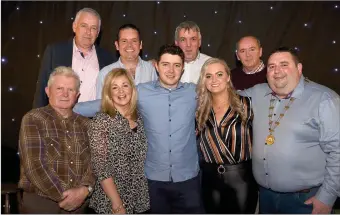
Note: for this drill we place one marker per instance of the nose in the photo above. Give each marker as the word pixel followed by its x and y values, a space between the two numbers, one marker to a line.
pixel 188 43
pixel 214 78
pixel 247 53
pixel 65 93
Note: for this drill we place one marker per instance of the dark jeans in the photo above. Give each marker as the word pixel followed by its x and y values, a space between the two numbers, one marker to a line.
pixel 232 192
pixel 272 202
pixel 175 197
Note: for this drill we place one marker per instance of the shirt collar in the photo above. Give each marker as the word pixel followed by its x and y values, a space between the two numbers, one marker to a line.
pixel 76 49
pixel 257 69
pixel 296 93
pixel 157 84
pixel 57 115
pixel 122 65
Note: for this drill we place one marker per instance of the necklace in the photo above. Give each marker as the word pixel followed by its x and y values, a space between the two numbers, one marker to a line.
pixel 272 125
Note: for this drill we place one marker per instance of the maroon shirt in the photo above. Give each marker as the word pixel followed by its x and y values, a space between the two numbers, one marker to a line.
pixel 242 81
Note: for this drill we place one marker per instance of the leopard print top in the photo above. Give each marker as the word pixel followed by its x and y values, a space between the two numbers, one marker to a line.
pixel 119 152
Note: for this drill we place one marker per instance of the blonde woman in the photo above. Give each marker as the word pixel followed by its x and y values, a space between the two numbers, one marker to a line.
pixel 224 122
pixel 118 149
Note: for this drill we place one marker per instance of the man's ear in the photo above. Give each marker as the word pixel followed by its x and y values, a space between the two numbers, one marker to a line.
pixel 47 91
pixel 176 42
pixel 141 45
pixel 117 46
pixel 74 27
pixel 237 56
pixel 299 66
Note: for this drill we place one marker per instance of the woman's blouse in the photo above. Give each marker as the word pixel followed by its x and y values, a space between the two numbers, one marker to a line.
pixel 119 152
pixel 230 142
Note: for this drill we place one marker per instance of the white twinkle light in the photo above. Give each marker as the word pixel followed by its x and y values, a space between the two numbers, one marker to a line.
pixel 13 119
pixel 41 22
pixel 71 18
pixel 184 16
pixel 240 21
pixel 158 2
pixel 336 69
pixel 38 56
pixel 336 6
pixel 18 8
pixel 155 32
pixel 216 11
pixel 10 89
pixel 271 7
pixel 333 41
pixel 208 45
pixel 13 38
pixel 124 15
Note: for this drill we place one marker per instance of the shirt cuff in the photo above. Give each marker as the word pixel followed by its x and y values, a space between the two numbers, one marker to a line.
pixel 325 197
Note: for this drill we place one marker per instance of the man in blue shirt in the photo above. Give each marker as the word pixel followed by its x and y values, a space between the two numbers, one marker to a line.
pixel 168 110
pixel 296 151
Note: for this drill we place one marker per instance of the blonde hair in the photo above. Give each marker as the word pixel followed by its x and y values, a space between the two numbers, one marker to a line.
pixel 205 98
pixel 64 71
pixel 107 105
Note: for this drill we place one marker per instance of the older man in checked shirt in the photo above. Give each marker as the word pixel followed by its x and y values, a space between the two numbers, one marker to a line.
pixel 55 170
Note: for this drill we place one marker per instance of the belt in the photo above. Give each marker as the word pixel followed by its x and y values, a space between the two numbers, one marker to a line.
pixel 222 168
pixel 299 191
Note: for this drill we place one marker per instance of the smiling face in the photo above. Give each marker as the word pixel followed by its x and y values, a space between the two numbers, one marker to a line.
pixel 170 69
pixel 121 92
pixel 190 42
pixel 129 44
pixel 216 78
pixel 86 29
pixel 249 53
pixel 283 73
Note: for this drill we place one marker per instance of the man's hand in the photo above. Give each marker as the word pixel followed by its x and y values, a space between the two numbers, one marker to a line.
pixel 318 206
pixel 73 198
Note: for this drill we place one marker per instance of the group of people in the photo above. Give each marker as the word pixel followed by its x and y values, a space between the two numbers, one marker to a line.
pixel 182 134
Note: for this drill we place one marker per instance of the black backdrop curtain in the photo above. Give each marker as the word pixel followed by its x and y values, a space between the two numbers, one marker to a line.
pixel 27 27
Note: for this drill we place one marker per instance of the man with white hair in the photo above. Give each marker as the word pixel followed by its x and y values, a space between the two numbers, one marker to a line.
pixel 80 53
pixel 55 169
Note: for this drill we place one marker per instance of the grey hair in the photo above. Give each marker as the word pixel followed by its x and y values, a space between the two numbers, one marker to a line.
pixel 88 10
pixel 255 38
pixel 187 25
pixel 64 71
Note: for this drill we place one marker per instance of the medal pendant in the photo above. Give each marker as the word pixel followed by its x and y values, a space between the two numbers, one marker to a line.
pixel 270 139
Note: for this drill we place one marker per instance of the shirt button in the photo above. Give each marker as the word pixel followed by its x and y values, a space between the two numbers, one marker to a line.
pixel 264 158
pixel 169 105
pixel 170 135
pixel 169 120
pixel 66 131
pixel 51 144
pixel 69 147
pixel 170 165
pixel 266 173
pixel 71 162
pixel 71 180
pixel 170 151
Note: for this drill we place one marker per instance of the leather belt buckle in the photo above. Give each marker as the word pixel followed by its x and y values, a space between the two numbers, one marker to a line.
pixel 221 169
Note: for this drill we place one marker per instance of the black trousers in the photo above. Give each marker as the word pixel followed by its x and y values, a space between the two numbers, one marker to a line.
pixel 176 197
pixel 229 189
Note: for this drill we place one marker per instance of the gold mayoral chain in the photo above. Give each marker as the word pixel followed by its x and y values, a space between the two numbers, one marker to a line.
pixel 272 125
